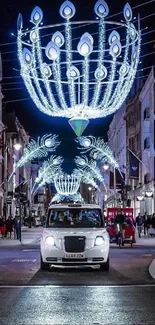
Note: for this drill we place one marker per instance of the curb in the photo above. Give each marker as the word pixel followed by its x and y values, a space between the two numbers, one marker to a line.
pixel 152 269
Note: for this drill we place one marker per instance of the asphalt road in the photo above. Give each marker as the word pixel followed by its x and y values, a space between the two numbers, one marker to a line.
pixel 124 295
pixel 21 266
pixel 78 305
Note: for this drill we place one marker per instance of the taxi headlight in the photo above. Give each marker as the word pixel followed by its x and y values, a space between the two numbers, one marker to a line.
pixel 50 241
pixel 99 241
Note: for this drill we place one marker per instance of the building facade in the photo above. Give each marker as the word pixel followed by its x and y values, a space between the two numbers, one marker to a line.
pixel 147 99
pixel 1 144
pixel 133 145
pixel 16 181
pixel 117 143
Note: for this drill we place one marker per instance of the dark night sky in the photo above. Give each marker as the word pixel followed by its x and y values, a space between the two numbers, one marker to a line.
pixel 35 122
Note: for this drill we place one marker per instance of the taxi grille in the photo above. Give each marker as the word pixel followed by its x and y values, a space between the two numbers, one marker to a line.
pixel 74 244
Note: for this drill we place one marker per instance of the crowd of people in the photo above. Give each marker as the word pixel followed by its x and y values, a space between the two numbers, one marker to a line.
pixel 9 227
pixel 145 222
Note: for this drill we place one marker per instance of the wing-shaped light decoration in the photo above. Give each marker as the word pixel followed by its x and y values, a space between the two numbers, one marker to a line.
pixel 98 149
pixel 96 78
pixel 47 172
pixel 89 167
pixel 86 177
pixel 37 149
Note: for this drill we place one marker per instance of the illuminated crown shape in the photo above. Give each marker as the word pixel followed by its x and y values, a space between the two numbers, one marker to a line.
pixel 67 184
pixel 83 77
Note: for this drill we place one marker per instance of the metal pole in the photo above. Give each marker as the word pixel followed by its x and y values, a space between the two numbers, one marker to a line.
pixel 30 202
pixel 79 90
pixel 5 177
pixel 134 201
pixel 114 187
pixel 20 218
pixel 14 187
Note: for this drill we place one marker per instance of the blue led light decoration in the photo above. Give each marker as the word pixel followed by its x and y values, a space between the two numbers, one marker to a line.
pixel 73 197
pixel 67 184
pixel 89 170
pixel 98 149
pixel 67 187
pixel 37 149
pixel 47 172
pixel 87 177
pixel 97 76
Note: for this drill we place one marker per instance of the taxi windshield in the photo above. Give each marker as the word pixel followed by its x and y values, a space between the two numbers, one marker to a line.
pixel 77 218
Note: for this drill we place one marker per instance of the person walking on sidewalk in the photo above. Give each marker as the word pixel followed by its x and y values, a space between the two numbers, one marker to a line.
pixel 9 227
pixel 145 223
pixel 139 224
pixel 17 226
pixel 3 229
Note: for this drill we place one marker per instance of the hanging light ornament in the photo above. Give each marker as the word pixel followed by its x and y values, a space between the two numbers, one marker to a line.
pixel 89 95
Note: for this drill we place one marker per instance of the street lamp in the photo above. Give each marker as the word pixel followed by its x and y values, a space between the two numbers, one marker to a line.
pixel 148 193
pixel 140 197
pixel 89 190
pixel 17 146
pixel 105 166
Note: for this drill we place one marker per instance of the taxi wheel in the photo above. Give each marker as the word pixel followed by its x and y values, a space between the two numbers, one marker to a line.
pixel 43 266
pixel 105 266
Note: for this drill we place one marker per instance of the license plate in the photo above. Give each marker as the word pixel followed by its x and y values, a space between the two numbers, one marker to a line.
pixel 73 255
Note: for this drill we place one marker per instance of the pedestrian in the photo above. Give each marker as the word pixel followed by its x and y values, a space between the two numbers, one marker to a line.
pixel 1 223
pixel 120 224
pixel 139 224
pixel 9 227
pixel 3 230
pixel 17 227
pixel 153 221
pixel 148 223
pixel 145 222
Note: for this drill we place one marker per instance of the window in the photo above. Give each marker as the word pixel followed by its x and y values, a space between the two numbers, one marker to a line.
pixel 73 217
pixel 146 113
pixel 147 143
pixel 138 141
pixel 146 178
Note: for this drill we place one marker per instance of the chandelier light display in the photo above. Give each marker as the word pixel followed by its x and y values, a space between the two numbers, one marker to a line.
pixel 84 78
pixel 67 184
pixel 74 197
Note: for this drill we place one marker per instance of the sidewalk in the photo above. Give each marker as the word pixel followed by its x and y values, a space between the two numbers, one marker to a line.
pixel 145 240
pixel 29 236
